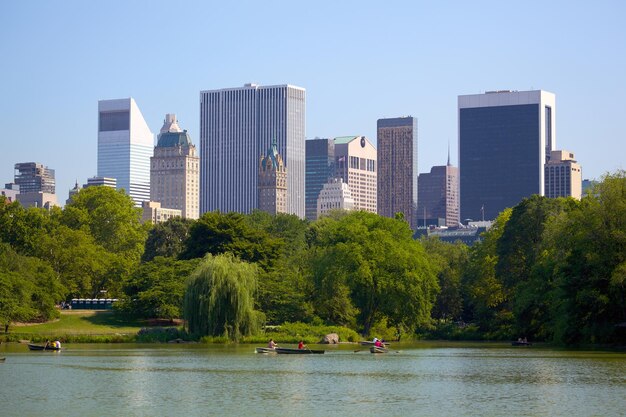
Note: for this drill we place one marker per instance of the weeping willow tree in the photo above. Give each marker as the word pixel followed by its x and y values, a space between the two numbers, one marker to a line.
pixel 219 298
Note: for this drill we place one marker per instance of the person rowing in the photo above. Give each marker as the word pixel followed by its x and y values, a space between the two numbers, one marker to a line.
pixel 271 344
pixel 301 345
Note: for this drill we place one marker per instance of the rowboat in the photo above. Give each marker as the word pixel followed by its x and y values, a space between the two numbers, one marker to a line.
pixel 40 347
pixel 264 350
pixel 3 359
pixel 378 349
pixel 518 343
pixel 288 351
pixel 370 343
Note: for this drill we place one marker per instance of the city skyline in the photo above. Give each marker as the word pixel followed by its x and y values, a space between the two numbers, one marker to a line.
pixel 59 75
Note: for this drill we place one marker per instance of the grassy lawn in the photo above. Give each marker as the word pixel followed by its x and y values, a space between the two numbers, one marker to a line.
pixel 79 322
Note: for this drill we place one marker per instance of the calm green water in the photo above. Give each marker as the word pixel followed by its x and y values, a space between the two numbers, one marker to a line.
pixel 420 380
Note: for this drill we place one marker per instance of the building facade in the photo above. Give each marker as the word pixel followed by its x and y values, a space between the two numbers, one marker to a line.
pixel 33 177
pixel 438 195
pixel 397 167
pixel 320 167
pixel 37 186
pixel 334 195
pixel 355 163
pixel 236 126
pixel 272 182
pixel 125 145
pixel 43 200
pixel 504 140
pixel 175 170
pixel 101 181
pixel 152 212
pixel 10 191
pixel 588 185
pixel 563 175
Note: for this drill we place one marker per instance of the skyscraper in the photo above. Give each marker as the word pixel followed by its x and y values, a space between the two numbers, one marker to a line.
pixel 320 166
pixel 355 163
pixel 397 167
pixel 175 170
pixel 504 139
pixel 236 126
pixel 33 177
pixel 563 175
pixel 125 145
pixel 438 195
pixel 272 182
pixel 37 185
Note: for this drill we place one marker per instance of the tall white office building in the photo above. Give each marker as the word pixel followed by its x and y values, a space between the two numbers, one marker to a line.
pixel 237 125
pixel 125 145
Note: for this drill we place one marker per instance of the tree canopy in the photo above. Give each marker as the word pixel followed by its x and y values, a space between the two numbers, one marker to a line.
pixel 28 288
pixel 216 233
pixel 369 268
pixel 219 300
pixel 156 288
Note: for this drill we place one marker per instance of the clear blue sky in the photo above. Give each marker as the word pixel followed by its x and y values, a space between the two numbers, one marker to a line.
pixel 358 60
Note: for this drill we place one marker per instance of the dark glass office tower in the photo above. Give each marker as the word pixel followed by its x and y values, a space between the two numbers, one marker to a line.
pixel 320 159
pixel 504 137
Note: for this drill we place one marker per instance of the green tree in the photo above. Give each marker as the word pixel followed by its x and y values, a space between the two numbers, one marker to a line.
pixel 167 239
pixel 28 288
pixel 113 222
pixel 80 265
pixel 157 287
pixel 369 266
pixel 282 287
pixel 23 228
pixel 449 260
pixel 219 300
pixel 485 296
pixel 111 218
pixel 590 254
pixel 218 233
pixel 521 251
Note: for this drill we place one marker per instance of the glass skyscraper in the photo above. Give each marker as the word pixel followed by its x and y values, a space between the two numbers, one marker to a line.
pixel 320 166
pixel 125 145
pixel 504 139
pixel 237 126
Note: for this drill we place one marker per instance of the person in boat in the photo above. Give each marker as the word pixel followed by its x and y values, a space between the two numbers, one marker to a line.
pixel 271 344
pixel 378 343
pixel 301 345
pixel 56 344
pixel 47 345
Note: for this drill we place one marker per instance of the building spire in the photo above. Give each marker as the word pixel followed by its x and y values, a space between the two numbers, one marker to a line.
pixel 448 152
pixel 170 124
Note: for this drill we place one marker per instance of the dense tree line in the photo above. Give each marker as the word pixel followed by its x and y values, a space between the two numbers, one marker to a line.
pixel 548 269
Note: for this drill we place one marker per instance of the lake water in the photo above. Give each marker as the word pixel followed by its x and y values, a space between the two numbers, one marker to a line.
pixel 422 379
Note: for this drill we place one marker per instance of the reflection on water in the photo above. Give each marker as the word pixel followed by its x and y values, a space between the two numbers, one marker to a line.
pixel 419 380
